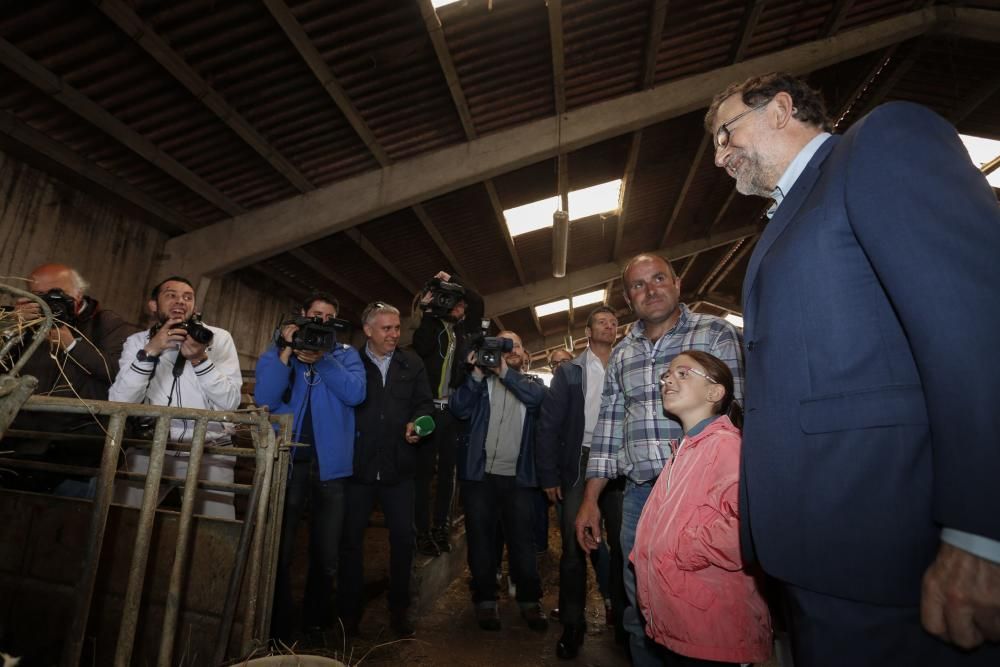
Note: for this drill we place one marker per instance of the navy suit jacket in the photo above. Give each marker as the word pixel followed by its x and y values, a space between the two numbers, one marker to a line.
pixel 872 311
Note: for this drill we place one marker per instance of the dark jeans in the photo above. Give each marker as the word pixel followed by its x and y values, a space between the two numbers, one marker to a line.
pixel 326 516
pixel 396 501
pixel 671 659
pixel 573 563
pixel 439 448
pixel 487 501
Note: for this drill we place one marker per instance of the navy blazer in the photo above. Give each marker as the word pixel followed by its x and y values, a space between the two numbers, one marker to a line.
pixel 872 311
pixel 561 425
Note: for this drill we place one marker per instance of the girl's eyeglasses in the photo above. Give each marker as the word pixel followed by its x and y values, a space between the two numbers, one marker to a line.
pixel 682 373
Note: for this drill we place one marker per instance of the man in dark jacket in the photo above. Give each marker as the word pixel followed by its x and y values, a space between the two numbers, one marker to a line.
pixel 568 417
pixel 438 341
pixel 384 464
pixel 321 390
pixel 80 361
pixel 496 466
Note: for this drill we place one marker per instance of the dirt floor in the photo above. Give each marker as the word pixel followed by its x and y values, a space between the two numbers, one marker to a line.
pixel 448 633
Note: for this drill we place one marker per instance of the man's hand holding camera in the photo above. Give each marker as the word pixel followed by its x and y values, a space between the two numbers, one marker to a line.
pixel 60 334
pixel 171 336
pixel 305 356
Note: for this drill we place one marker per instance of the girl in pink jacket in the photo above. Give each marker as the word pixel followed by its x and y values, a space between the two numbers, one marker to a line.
pixel 696 598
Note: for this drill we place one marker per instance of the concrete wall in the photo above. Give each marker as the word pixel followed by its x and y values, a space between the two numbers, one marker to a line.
pixel 43 220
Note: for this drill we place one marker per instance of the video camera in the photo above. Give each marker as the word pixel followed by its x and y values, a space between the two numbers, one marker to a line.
pixel 313 334
pixel 192 325
pixel 444 297
pixel 62 305
pixel 488 349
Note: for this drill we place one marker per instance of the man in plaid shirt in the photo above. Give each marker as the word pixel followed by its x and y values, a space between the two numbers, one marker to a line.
pixel 633 436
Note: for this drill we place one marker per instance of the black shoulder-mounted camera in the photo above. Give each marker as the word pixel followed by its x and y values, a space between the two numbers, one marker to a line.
pixel 488 349
pixel 62 305
pixel 444 297
pixel 313 333
pixel 194 328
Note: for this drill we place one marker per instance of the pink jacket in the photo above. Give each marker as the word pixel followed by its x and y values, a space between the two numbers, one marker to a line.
pixel 691 588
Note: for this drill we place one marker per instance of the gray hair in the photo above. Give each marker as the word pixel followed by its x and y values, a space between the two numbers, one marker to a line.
pixel 79 282
pixel 376 308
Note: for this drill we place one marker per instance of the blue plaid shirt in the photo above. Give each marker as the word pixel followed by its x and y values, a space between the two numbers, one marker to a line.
pixel 633 436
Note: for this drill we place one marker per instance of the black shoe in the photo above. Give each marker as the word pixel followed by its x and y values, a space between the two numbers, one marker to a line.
pixel 442 539
pixel 535 617
pixel 399 621
pixel 488 618
pixel 569 644
pixel 427 546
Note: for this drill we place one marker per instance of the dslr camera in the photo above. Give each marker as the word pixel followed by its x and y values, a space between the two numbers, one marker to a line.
pixel 193 326
pixel 444 297
pixel 313 333
pixel 489 350
pixel 62 305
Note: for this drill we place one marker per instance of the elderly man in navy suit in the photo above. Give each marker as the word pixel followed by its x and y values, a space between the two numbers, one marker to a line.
pixel 872 310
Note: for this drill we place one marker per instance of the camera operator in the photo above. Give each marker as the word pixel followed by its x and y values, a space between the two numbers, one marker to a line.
pixel 320 387
pixel 438 342
pixel 182 363
pixel 496 467
pixel 80 361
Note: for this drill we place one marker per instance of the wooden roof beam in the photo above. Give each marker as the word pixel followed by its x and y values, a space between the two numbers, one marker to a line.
pixel 60 91
pixel 839 12
pixel 751 15
pixel 160 50
pixel 273 229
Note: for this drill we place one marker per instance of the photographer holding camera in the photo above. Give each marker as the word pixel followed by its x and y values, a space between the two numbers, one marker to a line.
pixel 449 312
pixel 183 363
pixel 496 466
pixel 81 360
pixel 308 374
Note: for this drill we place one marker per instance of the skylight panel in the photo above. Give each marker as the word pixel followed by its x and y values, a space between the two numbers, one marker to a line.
pixel 441 3
pixel 562 305
pixel 602 198
pixel 734 319
pixel 552 307
pixel 982 151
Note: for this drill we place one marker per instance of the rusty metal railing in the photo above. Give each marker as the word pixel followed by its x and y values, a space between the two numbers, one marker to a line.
pixel 256 553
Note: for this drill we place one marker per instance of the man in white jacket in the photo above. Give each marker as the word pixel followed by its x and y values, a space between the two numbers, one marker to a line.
pixel 178 366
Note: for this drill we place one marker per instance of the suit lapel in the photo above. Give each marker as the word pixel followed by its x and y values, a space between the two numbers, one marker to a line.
pixel 785 214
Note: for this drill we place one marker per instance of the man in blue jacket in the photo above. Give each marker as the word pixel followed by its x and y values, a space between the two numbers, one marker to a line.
pixel 321 390
pixel 496 468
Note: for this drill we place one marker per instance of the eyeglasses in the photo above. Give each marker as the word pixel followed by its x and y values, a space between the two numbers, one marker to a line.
pixel 722 134
pixel 682 374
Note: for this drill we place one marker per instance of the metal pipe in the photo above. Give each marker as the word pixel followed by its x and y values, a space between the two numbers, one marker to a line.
pixel 267 445
pixel 140 554
pixel 242 489
pixel 95 540
pixel 236 574
pixel 172 605
pixel 560 243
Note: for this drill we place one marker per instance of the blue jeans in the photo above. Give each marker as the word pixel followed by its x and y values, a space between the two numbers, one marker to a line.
pixel 326 512
pixel 498 498
pixel 644 650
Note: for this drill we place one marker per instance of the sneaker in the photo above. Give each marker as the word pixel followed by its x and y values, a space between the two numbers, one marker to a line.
pixel 427 546
pixel 399 621
pixel 534 616
pixel 442 539
pixel 488 617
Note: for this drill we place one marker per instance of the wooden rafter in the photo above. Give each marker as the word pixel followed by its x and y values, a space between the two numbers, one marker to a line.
pixel 60 91
pixel 682 195
pixel 751 15
pixel 654 37
pixel 447 65
pixel 381 259
pixel 888 81
pixel 747 246
pixel 46 147
pixel 491 191
pixel 975 99
pixel 157 47
pixel 835 19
